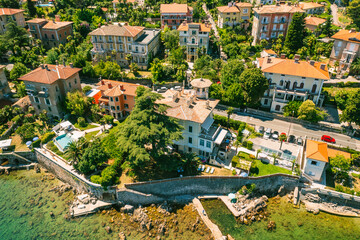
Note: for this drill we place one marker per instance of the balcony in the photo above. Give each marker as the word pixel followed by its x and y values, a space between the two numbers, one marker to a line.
pixel 267 22
pixel 43 94
pixel 94 51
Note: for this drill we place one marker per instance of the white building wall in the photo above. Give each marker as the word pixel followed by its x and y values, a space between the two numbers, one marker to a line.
pixel 314 171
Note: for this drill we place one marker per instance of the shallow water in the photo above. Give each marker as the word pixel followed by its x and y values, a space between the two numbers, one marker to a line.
pixel 26 203
pixel 291 223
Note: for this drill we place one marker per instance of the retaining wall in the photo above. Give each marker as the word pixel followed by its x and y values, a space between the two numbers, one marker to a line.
pixel 13 157
pixel 338 197
pixel 213 185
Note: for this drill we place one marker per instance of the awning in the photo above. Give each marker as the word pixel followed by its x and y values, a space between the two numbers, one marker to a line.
pixel 221 136
pixel 207 124
pixel 5 143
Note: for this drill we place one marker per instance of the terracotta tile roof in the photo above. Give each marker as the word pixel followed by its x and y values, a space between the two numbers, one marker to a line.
pixel 202 27
pixel 333 152
pixel 42 75
pixel 315 21
pixel 310 5
pixel 227 9
pixel 201 83
pixel 347 35
pixel 290 67
pixel 317 150
pixel 243 4
pixel 56 25
pixel 174 8
pixel 270 51
pixel 179 106
pixel 117 30
pixel 283 8
pixel 9 11
pixel 116 88
pixel 36 20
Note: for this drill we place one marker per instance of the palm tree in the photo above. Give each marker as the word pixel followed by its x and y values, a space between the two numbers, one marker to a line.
pixel 274 155
pixel 229 112
pixel 74 151
pixel 282 139
pixel 257 153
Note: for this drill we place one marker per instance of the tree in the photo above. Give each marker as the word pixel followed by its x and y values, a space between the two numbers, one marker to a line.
pixel 93 157
pixel 18 70
pixel 292 108
pixel 134 68
pixel 31 8
pixel 20 88
pixel 351 112
pixel 231 72
pixel 146 133
pixel 229 112
pixel 15 38
pixel 108 70
pixel 234 95
pixel 274 156
pixel 354 67
pixel 326 27
pixel 26 131
pixel 309 112
pixel 340 166
pixel 254 84
pixel 257 152
pixel 353 11
pixel 74 151
pixel 282 139
pixel 77 103
pixel 156 69
pixel 296 32
pixel 170 38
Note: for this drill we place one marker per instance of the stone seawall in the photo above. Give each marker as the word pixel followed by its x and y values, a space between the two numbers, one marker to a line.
pixel 76 181
pixel 213 185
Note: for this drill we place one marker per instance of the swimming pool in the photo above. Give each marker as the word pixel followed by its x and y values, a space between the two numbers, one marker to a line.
pixel 63 141
pixel 45 5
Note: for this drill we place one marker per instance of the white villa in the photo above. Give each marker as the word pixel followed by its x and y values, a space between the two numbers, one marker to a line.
pixel 292 80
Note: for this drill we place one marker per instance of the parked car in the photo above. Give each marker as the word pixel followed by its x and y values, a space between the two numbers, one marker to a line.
pixel 299 141
pixel 275 135
pixel 267 133
pixel 261 129
pixel 327 138
pixel 291 139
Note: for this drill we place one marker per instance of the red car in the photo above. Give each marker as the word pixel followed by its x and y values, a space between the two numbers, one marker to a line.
pixel 328 139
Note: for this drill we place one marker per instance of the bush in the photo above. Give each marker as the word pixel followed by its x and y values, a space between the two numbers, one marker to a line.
pixel 244 144
pixel 16 119
pixel 249 145
pixel 251 156
pixel 355 175
pixel 86 89
pixel 234 124
pixel 96 179
pixel 235 161
pixel 109 119
pixel 81 121
pixel 233 172
pixel 36 144
pixel 47 137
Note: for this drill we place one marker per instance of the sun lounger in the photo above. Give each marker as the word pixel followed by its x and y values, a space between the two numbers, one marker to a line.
pixel 212 170
pixel 203 168
pixel 208 170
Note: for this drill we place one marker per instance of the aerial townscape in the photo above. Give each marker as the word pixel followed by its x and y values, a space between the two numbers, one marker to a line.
pixel 174 119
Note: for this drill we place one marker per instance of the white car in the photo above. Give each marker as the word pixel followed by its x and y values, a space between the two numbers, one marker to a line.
pixel 267 133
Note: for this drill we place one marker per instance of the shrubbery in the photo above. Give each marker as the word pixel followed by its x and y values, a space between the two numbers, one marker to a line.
pixel 36 144
pixel 234 124
pixel 47 137
pixel 81 121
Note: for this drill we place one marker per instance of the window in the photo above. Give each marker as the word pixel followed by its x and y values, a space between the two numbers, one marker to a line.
pixel 208 144
pixel 39 107
pixel 126 106
pixel 45 35
pixel 314 163
pixel 143 49
pixel 59 98
pixel 69 85
pixel 117 108
pixel 190 140
pixel 112 108
pixel 111 99
pixel 52 36
pixel 75 81
pixel 266 102
pixel 56 88
pixel 193 32
pixel 36 99
pixel 245 10
pixel 201 41
pixel 301 85
pixel 202 142
pixel 100 38
pixel 193 41
pixel 116 99
pixel 60 35
pixel 125 97
pixel 190 149
pixel 277 108
pixel 110 39
pixel 313 90
pixel 190 129
pixel 294 85
pixel 129 39
pixel 49 109
pixel 184 39
pixel 65 33
pixel 129 47
pixel 185 32
pixel 47 101
pixel 281 82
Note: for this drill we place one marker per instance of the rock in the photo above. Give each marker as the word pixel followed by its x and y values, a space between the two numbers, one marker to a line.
pixel 67 217
pixel 108 229
pixel 149 226
pixel 313 198
pixel 93 201
pixel 161 228
pixel 122 236
pixel 271 226
pixel 127 209
pixel 52 214
pixel 6 172
pixel 282 191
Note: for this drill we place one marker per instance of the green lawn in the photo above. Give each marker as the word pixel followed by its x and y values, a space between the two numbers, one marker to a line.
pixel 88 126
pixel 90 135
pixel 261 169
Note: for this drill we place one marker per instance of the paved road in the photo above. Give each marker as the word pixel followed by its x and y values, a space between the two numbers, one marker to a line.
pixel 334 13
pixel 294 129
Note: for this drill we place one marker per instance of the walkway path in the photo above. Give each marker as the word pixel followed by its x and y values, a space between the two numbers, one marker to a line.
pixel 213 227
pixel 334 13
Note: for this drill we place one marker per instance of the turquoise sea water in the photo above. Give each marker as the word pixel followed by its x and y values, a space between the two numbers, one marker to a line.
pixel 291 223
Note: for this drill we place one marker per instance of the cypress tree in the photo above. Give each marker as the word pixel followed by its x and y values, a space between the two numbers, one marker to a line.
pixel 31 8
pixel 296 32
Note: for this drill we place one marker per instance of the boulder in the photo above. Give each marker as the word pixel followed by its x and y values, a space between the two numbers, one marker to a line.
pixel 122 236
pixel 127 209
pixel 282 191
pixel 161 229
pixel 108 229
pixel 271 226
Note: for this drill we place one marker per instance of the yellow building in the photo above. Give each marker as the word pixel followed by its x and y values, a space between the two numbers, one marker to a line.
pixel 234 14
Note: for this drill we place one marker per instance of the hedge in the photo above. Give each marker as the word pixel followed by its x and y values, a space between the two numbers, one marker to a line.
pixel 36 143
pixel 47 137
pixel 223 121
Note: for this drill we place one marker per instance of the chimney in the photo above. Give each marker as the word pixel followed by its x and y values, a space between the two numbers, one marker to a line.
pixel 42 66
pixel 297 58
pixel 184 22
pixel 268 59
pixel 307 58
pixel 119 24
pixel 71 65
pixel 126 24
pixel 283 56
pixel 57 18
pixel 352 30
pixel 122 87
pixel 109 85
pixel 64 62
pixel 277 4
pixel 53 20
pixel 102 82
pixel 312 62
pixel 46 67
pixel 322 66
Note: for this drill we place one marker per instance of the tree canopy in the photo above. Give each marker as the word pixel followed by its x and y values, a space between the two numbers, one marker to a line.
pixel 309 112
pixel 296 32
pixel 292 108
pixel 231 71
pixel 353 10
pixel 254 84
pixel 351 108
pixel 77 103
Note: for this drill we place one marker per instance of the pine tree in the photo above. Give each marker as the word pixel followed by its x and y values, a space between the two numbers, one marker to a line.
pixel 296 33
pixel 31 8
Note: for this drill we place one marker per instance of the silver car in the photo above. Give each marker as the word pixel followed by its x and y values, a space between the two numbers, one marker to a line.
pixel 267 133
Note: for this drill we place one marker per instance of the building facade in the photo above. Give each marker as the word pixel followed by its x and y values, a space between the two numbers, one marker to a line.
pixel 272 20
pixel 234 14
pixel 292 80
pixel 312 23
pixel 194 36
pixel 48 85
pixel 345 49
pixel 4 85
pixel 9 14
pixel 312 7
pixel 316 158
pixel 172 15
pixel 52 33
pixel 117 98
pixel 117 41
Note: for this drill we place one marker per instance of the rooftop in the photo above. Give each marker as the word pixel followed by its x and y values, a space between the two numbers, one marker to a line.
pixel 37 20
pixel 174 8
pixel 116 88
pixel 315 21
pixel 317 150
pixel 118 30
pixel 270 51
pixel 49 74
pixel 201 83
pixel 9 11
pixel 310 5
pixel 347 35
pixel 333 152
pixel 291 67
pixel 282 8
pixel 201 26
pixel 235 7
pixel 185 106
pixel 56 25
pixel 147 36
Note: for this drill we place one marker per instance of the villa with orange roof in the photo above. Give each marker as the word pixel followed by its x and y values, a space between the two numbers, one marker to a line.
pixel 11 14
pixel 292 80
pixel 312 7
pixel 48 85
pixel 118 40
pixel 270 21
pixel 172 15
pixel 135 3
pixel 345 49
pixel 51 32
pixel 313 23
pixel 234 14
pixel 117 98
pixel 194 36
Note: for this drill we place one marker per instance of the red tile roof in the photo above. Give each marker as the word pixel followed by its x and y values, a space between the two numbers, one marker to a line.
pixel 283 8
pixel 9 11
pixel 347 35
pixel 174 8
pixel 317 150
pixel 116 88
pixel 315 21
pixel 117 30
pixel 202 27
pixel 310 5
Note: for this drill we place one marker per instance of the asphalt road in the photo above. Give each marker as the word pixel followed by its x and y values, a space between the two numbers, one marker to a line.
pixel 293 129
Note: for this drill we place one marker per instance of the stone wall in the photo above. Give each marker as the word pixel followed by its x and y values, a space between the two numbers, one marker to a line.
pixel 213 185
pixel 74 180
pixel 16 158
pixel 333 196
